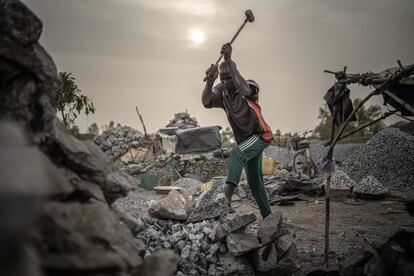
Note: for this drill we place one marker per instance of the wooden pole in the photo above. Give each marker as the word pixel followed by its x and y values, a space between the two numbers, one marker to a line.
pixel 142 121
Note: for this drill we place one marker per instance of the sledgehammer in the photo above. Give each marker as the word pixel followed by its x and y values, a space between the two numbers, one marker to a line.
pixel 249 18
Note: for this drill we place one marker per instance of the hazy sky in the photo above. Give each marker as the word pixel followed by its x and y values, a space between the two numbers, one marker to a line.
pixel 153 54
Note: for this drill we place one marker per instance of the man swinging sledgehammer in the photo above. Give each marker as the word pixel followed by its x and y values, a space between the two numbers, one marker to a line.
pixel 240 100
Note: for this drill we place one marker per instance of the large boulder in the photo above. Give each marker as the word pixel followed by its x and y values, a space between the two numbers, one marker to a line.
pixel 85 228
pixel 29 82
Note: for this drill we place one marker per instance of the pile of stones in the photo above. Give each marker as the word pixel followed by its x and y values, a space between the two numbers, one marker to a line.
pixel 209 242
pixel 117 140
pixel 55 191
pixel 388 157
pixel 368 187
pixel 183 120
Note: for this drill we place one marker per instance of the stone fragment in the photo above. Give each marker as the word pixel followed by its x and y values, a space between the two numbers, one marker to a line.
pixel 170 207
pixel 240 221
pixel 283 244
pixel 235 266
pixel 265 258
pixel 160 263
pixel 189 186
pixel 270 228
pixel 240 243
pixel 212 202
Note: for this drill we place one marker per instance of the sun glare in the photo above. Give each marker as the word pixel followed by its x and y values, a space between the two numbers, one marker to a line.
pixel 197 37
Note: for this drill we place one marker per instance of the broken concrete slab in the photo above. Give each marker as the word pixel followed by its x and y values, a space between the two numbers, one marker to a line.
pixel 270 228
pixel 212 202
pixel 240 243
pixel 265 258
pixel 170 207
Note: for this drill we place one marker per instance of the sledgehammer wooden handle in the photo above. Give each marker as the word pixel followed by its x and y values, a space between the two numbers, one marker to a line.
pixel 249 18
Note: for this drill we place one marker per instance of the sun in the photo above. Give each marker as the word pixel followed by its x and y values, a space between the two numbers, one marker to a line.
pixel 197 37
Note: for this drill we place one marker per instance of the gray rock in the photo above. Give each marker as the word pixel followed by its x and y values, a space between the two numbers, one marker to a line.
pixel 189 186
pixel 241 243
pixel 74 218
pixel 290 264
pixel 270 228
pixel 171 207
pixel 214 248
pixel 283 244
pixel 265 258
pixel 185 253
pixel 235 266
pixel 116 185
pixel 133 224
pixel 160 263
pixel 212 202
pixel 240 221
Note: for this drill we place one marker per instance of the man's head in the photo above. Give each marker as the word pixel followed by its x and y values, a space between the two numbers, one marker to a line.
pixel 225 76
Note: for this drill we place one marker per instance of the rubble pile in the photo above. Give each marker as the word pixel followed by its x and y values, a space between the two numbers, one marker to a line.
pixel 225 246
pixel 55 191
pixel 116 141
pixel 388 156
pixel 341 178
pixel 183 120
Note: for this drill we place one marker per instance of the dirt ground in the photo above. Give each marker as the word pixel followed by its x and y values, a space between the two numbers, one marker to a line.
pixel 354 223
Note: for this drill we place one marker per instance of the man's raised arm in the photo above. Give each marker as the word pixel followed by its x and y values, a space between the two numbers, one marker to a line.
pixel 207 96
pixel 241 84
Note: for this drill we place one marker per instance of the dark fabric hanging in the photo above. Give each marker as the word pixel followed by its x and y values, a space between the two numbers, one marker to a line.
pixel 339 103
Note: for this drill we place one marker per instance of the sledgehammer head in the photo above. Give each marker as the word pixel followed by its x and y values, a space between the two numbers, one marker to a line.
pixel 249 16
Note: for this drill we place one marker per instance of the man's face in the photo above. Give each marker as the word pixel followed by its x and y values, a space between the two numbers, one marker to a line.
pixel 227 81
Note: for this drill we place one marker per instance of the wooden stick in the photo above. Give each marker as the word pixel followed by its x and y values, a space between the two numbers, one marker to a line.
pixel 385 115
pixel 142 121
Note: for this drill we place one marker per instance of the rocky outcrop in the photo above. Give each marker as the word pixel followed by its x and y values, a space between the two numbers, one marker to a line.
pixel 55 191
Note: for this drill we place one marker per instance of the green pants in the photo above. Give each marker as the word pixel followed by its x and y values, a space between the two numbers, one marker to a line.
pixel 248 155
